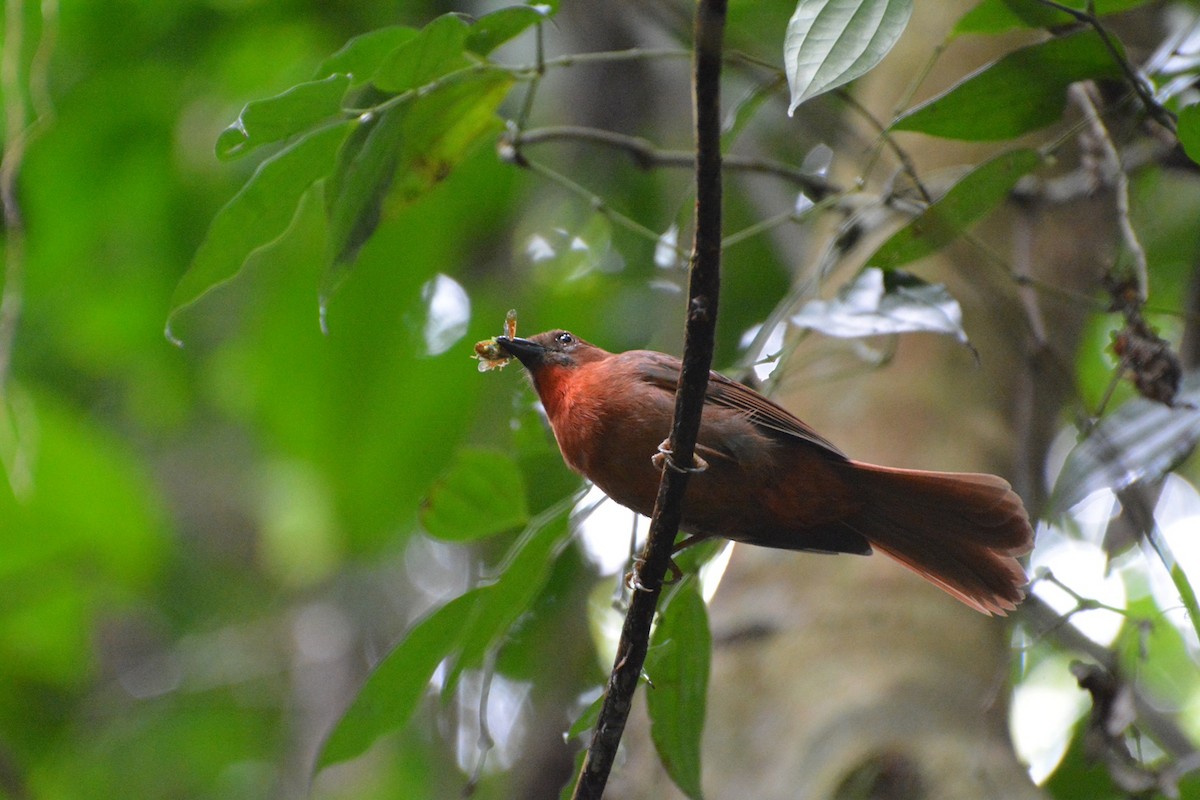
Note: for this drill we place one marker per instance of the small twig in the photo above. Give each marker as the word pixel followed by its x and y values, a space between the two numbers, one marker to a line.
pixel 1027 468
pixel 647 53
pixel 703 292
pixel 1189 342
pixel 596 202
pixel 1187 593
pixel 910 91
pixel 1156 110
pixel 1080 182
pixel 1044 621
pixel 1114 172
pixel 1022 272
pixel 1081 603
pixel 485 742
pixel 750 231
pixel 606 56
pixel 539 71
pixel 994 259
pixel 526 72
pixel 646 155
pixel 839 245
pixel 1095 416
pixel 906 162
pixel 618 600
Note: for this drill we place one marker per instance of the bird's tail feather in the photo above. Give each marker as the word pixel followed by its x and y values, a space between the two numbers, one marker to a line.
pixel 960 531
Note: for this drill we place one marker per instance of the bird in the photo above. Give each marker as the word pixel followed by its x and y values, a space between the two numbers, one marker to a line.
pixel 763 477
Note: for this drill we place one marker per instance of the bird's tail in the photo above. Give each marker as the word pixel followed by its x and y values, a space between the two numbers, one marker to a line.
pixel 961 531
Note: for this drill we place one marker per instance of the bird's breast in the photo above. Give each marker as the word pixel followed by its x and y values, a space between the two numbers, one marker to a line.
pixel 575 411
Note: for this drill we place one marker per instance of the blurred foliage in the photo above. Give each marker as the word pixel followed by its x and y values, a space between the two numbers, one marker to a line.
pixel 207 549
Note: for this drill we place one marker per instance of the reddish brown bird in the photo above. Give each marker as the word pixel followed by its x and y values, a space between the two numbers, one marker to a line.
pixel 770 479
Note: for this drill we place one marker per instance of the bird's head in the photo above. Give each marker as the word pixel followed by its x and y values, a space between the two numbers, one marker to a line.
pixel 550 350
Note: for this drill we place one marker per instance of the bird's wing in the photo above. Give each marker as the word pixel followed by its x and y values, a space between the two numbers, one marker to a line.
pixel 663 370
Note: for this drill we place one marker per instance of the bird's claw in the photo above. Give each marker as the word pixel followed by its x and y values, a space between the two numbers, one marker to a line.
pixel 663 458
pixel 633 578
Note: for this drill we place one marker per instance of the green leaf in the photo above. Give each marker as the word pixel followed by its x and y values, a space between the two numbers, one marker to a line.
pixel 366 165
pixel 432 53
pixel 522 575
pixel 691 559
pixel 482 494
pixel 678 665
pixel 390 696
pixel 1000 16
pixel 1152 648
pixel 829 43
pixel 494 29
pixel 1023 91
pixel 463 631
pixel 362 56
pixel 443 128
pixel 586 719
pixel 1189 131
pixel 277 118
pixel 258 213
pixel 967 201
pixel 1079 776
pixel 877 303
pixel 420 142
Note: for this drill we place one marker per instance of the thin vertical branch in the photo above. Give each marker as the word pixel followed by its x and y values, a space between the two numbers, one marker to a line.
pixel 703 291
pixel 1113 172
pixel 17 132
pixel 15 114
pixel 27 111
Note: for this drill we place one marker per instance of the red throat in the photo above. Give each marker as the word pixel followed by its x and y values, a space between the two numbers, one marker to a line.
pixel 554 388
pixel 570 405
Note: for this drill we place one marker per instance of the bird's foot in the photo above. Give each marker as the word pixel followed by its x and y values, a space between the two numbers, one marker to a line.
pixel 633 578
pixel 663 458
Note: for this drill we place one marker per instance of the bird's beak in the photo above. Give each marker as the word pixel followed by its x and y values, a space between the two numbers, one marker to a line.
pixel 528 352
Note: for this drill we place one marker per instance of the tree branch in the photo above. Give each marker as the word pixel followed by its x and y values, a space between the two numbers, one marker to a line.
pixel 1113 171
pixel 646 155
pixel 1043 621
pixel 703 291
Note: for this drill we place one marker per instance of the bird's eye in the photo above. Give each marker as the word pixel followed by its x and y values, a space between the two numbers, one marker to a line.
pixel 565 338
